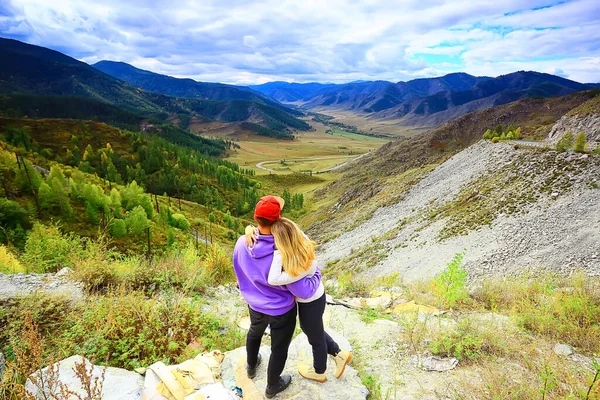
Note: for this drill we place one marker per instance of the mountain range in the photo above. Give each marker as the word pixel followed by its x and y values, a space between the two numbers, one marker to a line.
pixel 34 71
pixel 426 102
pixel 31 71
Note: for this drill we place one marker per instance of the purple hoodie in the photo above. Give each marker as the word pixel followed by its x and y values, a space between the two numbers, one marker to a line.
pixel 252 266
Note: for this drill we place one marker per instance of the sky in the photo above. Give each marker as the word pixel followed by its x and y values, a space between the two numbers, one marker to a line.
pixel 257 41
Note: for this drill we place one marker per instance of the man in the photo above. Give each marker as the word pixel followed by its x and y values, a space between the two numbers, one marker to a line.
pixel 268 305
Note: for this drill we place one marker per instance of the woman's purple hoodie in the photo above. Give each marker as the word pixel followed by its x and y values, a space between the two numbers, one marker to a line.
pixel 252 266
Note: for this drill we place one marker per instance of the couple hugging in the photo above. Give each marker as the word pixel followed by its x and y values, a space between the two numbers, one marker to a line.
pixel 275 269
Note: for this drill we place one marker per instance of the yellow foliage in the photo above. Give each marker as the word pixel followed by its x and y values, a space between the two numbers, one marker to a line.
pixel 9 263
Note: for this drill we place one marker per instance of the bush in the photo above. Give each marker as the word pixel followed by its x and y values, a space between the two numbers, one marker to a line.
pixel 129 330
pixel 118 228
pixel 564 309
pixel 450 285
pixel 13 219
pixel 217 269
pixel 179 221
pixel 9 263
pixel 579 146
pixel 495 139
pixel 137 222
pixel 487 135
pixel 48 250
pixel 565 143
pixel 466 341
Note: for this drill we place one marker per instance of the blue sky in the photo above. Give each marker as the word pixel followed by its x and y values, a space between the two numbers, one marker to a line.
pixel 256 41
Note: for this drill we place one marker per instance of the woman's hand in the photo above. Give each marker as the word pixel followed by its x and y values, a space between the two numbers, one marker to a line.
pixel 251 235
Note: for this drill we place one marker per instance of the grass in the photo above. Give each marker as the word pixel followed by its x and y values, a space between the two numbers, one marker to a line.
pixel 293 165
pixel 254 149
pixel 356 136
pixel 503 334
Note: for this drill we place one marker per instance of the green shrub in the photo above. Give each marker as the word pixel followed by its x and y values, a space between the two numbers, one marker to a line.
pixel 137 222
pixel 13 219
pixel 487 135
pixel 467 342
pixel 118 228
pixel 450 285
pixel 495 139
pixel 565 143
pixel 179 221
pixel 579 146
pixel 130 330
pixel 564 309
pixel 48 250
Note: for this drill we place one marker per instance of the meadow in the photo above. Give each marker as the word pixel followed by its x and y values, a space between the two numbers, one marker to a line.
pixel 254 149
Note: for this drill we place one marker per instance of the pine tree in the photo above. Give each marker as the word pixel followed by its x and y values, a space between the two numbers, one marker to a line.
pixel 46 197
pixel 137 222
pixel 580 141
pixel 118 228
pixel 565 143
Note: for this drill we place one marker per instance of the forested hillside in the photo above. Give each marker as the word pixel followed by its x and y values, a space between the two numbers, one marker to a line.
pixel 33 70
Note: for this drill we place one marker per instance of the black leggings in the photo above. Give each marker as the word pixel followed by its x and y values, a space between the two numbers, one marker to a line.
pixel 311 322
pixel 282 330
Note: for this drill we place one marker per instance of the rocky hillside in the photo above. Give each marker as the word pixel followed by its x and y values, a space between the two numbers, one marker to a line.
pixel 412 205
pixel 508 209
pixel 382 178
pixel 585 118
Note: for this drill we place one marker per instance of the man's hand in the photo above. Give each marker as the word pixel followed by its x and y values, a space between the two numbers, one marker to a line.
pixel 251 235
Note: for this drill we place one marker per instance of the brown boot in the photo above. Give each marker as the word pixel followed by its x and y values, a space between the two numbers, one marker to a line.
pixel 341 360
pixel 309 373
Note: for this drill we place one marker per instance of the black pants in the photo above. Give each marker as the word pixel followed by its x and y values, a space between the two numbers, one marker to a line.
pixel 282 330
pixel 311 322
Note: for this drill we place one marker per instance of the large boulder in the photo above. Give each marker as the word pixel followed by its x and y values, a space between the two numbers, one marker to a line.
pixel 348 387
pixel 118 384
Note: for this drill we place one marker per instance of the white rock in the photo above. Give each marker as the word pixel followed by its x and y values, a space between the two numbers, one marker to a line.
pixel 119 384
pixel 63 272
pixel 563 350
pixel 439 364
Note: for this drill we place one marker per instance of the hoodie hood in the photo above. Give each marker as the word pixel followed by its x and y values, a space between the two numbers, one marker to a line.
pixel 263 248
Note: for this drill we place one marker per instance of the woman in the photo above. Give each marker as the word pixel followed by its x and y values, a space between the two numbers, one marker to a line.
pixel 294 260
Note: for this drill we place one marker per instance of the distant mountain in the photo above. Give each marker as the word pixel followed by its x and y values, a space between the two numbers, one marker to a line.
pixel 429 102
pixel 34 70
pixel 186 88
pixel 290 92
pixel 365 96
pixel 443 106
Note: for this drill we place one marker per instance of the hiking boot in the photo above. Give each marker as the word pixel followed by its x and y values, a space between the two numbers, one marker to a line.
pixel 284 382
pixel 341 360
pixel 251 371
pixel 309 373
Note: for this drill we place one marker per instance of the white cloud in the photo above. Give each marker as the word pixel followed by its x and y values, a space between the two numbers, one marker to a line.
pixel 248 41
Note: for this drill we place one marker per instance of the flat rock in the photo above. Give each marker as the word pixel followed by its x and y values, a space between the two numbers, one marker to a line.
pixel 119 384
pixel 15 285
pixel 348 387
pixel 439 364
pixel 563 349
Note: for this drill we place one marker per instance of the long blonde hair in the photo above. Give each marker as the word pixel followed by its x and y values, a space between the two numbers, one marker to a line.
pixel 297 251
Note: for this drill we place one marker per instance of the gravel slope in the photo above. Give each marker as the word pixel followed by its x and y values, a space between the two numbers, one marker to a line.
pixel 559 232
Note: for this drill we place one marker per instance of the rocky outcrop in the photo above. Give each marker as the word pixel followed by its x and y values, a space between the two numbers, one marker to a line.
pixel 116 383
pixel 14 285
pixel 120 384
pixel 348 387
pixel 590 124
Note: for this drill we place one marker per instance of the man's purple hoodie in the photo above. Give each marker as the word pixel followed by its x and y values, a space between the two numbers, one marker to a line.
pixel 252 266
